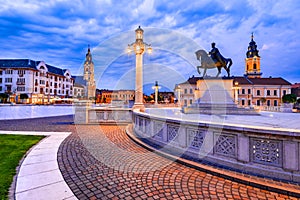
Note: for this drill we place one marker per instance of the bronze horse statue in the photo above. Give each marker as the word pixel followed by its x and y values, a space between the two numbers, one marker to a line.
pixel 213 61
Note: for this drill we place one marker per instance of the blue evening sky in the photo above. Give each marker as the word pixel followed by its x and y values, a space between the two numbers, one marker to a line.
pixel 59 31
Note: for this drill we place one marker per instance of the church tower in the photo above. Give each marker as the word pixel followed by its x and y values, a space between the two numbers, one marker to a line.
pixel 88 75
pixel 252 61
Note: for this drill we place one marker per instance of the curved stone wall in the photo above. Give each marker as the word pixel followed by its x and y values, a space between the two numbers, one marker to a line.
pixel 267 152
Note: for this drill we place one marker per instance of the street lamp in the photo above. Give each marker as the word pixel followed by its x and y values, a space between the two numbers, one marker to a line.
pixel 177 90
pixel 156 87
pixel 139 47
pixel 236 89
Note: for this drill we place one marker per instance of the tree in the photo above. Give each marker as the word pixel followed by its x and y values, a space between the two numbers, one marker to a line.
pixel 3 97
pixel 23 96
pixel 263 100
pixel 289 98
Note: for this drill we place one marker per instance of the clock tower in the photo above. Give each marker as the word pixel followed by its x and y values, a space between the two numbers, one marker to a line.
pixel 88 75
pixel 252 61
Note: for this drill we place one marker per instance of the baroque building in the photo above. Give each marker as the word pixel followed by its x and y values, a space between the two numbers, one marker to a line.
pixel 30 81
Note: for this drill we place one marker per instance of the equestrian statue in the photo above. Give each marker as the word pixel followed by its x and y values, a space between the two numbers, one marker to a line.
pixel 213 59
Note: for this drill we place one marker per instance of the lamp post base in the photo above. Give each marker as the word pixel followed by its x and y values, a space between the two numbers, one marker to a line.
pixel 139 106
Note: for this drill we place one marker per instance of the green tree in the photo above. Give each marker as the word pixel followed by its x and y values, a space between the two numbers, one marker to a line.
pixel 24 96
pixel 263 100
pixel 3 97
pixel 289 98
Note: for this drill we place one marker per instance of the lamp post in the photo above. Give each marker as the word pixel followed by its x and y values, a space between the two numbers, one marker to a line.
pixel 236 89
pixel 156 87
pixel 139 47
pixel 177 90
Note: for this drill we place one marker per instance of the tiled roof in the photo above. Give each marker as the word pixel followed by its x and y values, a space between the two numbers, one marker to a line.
pixel 55 70
pixel 192 80
pixel 79 80
pixel 18 63
pixel 242 80
pixel 27 63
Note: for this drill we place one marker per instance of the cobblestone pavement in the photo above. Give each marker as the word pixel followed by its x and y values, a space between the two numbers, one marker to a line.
pixel 101 162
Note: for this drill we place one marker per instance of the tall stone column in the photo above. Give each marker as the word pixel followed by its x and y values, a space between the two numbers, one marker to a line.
pixel 138 103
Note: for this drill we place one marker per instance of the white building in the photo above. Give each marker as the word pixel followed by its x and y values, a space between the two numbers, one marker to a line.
pixel 42 83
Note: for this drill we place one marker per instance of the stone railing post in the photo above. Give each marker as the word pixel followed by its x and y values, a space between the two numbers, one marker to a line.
pixel 82 111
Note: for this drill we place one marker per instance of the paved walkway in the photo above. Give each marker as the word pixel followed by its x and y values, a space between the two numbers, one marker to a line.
pixel 102 162
pixel 39 176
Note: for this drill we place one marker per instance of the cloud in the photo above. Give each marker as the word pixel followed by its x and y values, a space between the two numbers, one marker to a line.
pixel 58 31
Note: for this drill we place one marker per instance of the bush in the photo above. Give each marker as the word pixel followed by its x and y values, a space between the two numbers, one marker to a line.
pixel 289 98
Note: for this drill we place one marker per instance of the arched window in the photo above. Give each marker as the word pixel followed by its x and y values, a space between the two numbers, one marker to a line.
pixel 254 66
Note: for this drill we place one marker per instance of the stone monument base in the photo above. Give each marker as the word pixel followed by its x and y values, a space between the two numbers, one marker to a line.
pixel 215 97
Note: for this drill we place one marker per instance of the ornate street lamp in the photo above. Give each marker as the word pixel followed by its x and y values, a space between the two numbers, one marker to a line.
pixel 156 88
pixel 139 47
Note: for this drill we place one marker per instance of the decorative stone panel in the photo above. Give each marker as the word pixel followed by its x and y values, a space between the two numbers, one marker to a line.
pixel 141 123
pixel 226 145
pixel 172 132
pixel 267 152
pixel 110 116
pixel 158 130
pixel 100 116
pixel 195 138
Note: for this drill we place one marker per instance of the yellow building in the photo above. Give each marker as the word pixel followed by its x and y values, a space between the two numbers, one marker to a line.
pixel 256 91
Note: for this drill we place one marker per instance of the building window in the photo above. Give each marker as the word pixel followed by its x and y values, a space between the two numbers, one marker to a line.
pixel 8 80
pixel 249 91
pixel 0 80
pixel 243 91
pixel 275 92
pixel 21 72
pixel 8 71
pixel 191 91
pixel 268 92
pixel 0 88
pixel 258 102
pixel 268 103
pixel 284 92
pixel 254 66
pixel 191 101
pixel 20 89
pixel 50 90
pixel 0 72
pixel 258 92
pixel 36 73
pixel 249 102
pixel 35 89
pixel 185 102
pixel 243 102
pixel 275 103
pixel 185 91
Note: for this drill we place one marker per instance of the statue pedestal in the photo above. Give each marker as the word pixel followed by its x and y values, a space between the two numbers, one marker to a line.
pixel 215 96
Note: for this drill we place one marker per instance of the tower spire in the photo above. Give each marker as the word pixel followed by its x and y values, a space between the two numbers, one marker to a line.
pixel 252 60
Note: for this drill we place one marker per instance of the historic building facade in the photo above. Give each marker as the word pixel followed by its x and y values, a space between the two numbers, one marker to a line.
pixel 29 81
pixel 85 86
pixel 109 96
pixel 252 89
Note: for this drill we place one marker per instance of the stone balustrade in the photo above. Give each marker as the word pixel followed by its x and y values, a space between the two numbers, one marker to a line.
pixel 86 114
pixel 268 152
